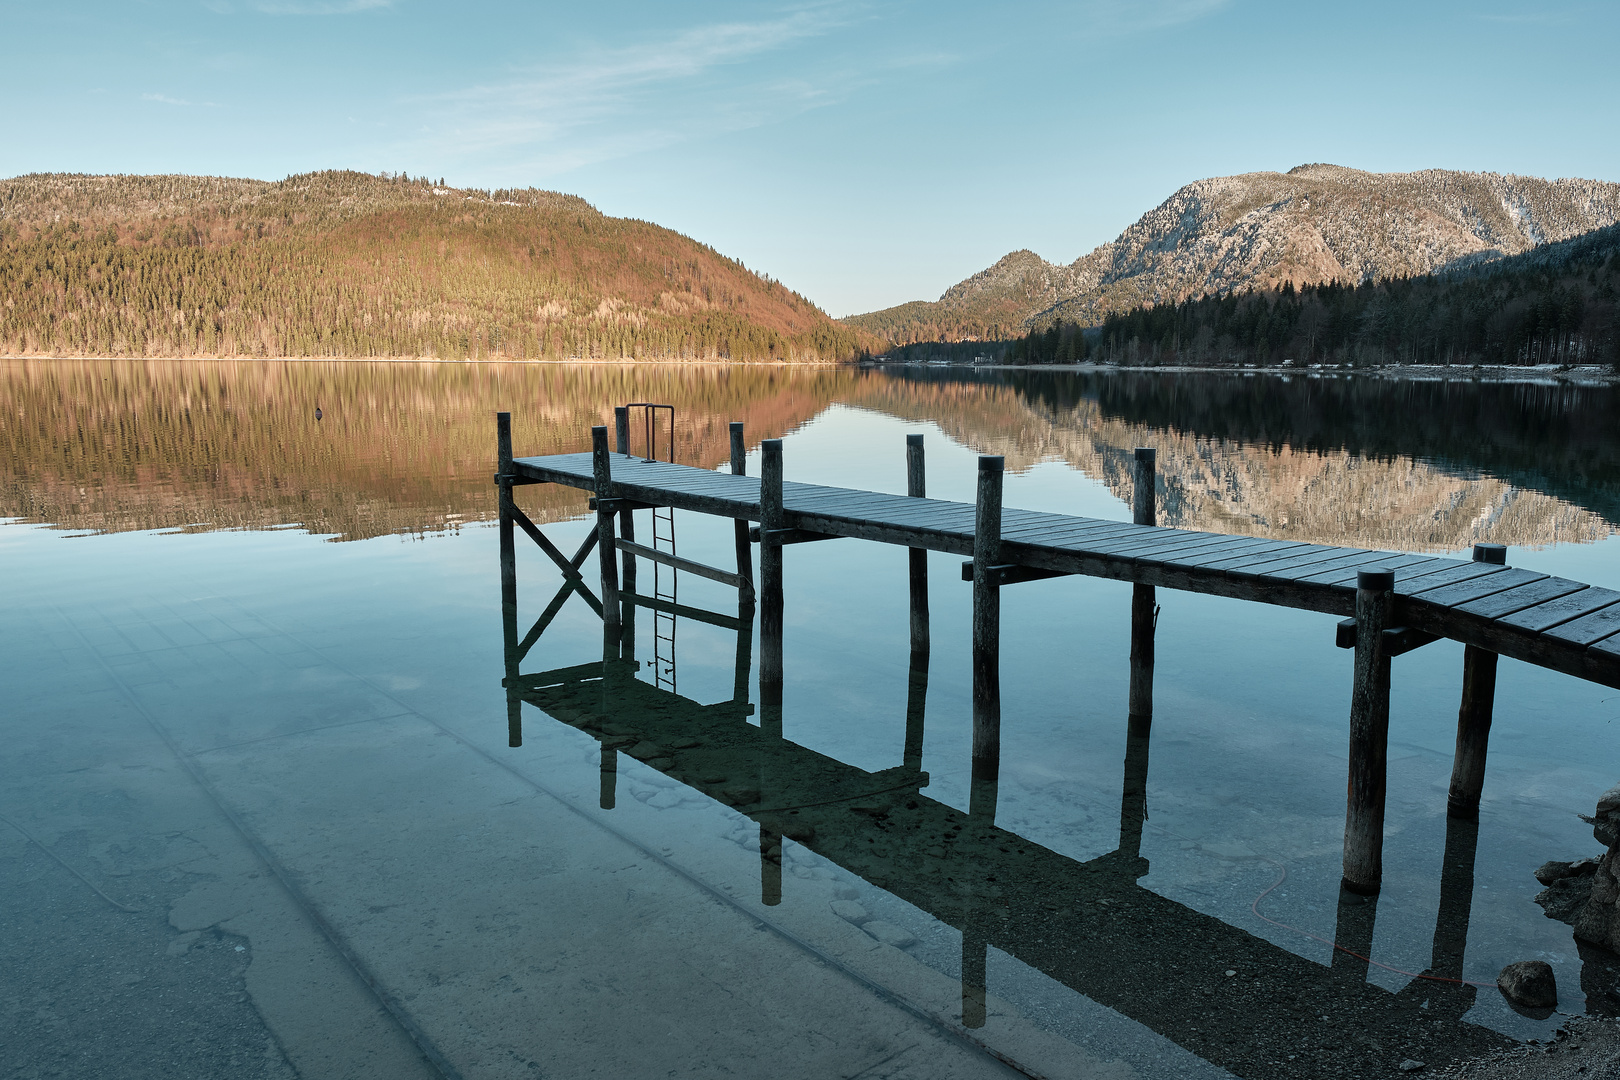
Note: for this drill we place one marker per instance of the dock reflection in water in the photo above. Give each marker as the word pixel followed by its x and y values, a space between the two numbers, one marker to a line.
pixel 1233 999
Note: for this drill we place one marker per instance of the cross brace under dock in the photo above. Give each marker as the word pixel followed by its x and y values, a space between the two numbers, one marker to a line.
pixel 1398 601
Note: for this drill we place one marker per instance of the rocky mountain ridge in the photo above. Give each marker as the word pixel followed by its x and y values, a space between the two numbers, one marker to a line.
pixel 1315 223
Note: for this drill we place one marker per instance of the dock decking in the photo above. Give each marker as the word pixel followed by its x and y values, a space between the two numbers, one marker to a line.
pixel 1548 621
pixel 1397 602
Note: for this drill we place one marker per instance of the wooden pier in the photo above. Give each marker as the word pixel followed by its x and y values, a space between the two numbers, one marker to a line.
pixel 1392 602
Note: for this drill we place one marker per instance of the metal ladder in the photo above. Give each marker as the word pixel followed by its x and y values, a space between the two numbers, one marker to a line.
pixel 664 588
pixel 663 539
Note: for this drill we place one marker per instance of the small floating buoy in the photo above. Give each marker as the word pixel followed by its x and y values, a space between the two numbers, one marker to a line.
pixel 317 412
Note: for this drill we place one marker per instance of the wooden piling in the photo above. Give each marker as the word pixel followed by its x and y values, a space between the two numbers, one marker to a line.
pixel 739 467
pixel 770 650
pixel 509 634
pixel 1369 734
pixel 917 488
pixel 627 520
pixel 987 620
pixel 1474 715
pixel 770 573
pixel 602 468
pixel 503 487
pixel 1144 598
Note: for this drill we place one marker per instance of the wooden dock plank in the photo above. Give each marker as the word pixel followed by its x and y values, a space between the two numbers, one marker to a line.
pixel 1401 565
pixel 1057 536
pixel 1588 629
pixel 1478 588
pixel 1214 560
pixel 1562 609
pixel 1202 543
pixel 1287 567
pixel 1498 605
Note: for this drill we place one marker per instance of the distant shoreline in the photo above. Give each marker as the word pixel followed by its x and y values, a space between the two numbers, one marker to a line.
pixel 1544 374
pixel 1589 374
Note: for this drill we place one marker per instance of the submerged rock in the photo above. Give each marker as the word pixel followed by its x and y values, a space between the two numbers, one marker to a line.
pixel 1529 984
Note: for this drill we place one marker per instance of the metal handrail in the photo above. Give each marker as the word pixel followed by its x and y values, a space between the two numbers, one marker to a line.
pixel 650 426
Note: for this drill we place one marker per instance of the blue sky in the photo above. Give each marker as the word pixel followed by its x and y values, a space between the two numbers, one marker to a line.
pixel 865 153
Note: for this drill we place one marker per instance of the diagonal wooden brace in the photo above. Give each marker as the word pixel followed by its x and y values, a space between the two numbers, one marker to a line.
pixel 569 568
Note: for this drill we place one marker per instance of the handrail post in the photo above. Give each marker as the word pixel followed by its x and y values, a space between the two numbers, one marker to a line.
pixel 602 467
pixel 987 621
pixel 1369 734
pixel 917 488
pixel 1474 715
pixel 739 467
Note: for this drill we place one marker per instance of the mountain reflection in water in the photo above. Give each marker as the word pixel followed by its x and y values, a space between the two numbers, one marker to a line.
pixel 407 448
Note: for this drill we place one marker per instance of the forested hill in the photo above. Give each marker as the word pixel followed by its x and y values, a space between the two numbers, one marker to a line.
pixel 352 265
pixel 1558 304
pixel 1312 225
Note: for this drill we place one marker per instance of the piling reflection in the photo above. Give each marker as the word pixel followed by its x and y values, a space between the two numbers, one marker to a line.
pixel 1087 924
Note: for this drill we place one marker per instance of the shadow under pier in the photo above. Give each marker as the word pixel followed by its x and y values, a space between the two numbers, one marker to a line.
pixel 1087 924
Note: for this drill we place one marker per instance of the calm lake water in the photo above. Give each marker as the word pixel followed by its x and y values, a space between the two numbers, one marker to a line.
pixel 262 817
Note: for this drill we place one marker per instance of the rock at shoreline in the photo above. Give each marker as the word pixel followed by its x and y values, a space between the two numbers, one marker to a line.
pixel 1529 984
pixel 1586 893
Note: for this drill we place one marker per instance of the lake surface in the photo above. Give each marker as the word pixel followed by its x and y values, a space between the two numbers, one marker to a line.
pixel 262 816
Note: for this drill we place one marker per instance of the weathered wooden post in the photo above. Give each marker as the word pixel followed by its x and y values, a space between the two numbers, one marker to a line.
pixel 917 488
pixel 745 652
pixel 503 488
pixel 602 466
pixel 1474 715
pixel 739 467
pixel 1369 734
pixel 1139 723
pixel 770 574
pixel 987 621
pixel 770 651
pixel 1143 597
pixel 627 520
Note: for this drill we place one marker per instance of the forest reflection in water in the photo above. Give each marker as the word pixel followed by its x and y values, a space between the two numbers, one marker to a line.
pixel 340 703
pixel 104 446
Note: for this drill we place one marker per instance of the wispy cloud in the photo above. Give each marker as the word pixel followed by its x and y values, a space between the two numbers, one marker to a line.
pixel 298 7
pixel 608 103
pixel 165 99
